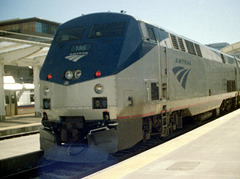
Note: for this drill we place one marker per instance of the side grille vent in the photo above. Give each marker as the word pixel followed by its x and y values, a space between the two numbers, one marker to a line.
pixel 181 44
pixel 190 47
pixel 199 53
pixel 174 41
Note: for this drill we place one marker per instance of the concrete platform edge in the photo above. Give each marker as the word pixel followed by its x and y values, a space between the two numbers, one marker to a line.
pixel 19 129
pixel 130 165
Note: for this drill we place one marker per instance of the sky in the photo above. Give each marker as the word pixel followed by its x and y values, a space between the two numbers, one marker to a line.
pixel 205 21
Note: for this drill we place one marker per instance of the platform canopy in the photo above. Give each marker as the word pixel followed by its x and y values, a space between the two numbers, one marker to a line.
pixel 23 50
pixel 232 49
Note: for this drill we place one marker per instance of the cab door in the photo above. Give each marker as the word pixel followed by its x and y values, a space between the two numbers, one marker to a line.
pixel 163 72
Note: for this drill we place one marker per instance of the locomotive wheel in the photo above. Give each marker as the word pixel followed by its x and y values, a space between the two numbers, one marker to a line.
pixel 226 106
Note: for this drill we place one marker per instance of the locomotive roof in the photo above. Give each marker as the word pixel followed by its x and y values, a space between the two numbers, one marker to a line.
pixel 69 23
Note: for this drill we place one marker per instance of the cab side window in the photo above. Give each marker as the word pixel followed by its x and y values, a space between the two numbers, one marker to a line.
pixel 151 32
pixel 148 32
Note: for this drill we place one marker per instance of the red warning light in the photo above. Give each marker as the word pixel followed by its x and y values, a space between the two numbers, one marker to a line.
pixel 98 74
pixel 49 76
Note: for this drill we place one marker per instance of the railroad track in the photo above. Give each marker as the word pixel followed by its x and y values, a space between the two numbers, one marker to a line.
pixel 53 169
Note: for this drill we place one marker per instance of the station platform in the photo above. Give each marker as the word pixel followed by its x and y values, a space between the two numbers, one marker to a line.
pixel 19 146
pixel 19 153
pixel 19 124
pixel 210 151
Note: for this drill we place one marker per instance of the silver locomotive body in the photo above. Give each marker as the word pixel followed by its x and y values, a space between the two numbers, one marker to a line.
pixel 159 78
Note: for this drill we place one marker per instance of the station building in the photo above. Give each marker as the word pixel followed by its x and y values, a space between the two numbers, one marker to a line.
pixel 31 26
pixel 233 49
pixel 219 45
pixel 24 44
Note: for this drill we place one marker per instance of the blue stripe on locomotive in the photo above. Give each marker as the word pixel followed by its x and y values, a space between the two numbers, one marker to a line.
pixel 109 55
pixel 26 106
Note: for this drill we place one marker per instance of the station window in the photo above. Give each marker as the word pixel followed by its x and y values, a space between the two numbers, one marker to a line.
pixel 190 47
pixel 6 99
pixel 45 28
pixel 199 53
pixel 13 99
pixel 174 41
pixel 42 28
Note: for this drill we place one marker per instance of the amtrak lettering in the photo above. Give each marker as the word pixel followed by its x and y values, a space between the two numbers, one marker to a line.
pixel 183 61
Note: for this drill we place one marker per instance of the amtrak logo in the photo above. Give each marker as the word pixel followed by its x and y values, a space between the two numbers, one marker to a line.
pixel 182 75
pixel 75 57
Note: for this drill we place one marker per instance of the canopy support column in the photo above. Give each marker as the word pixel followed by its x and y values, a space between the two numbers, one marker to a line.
pixel 2 96
pixel 36 70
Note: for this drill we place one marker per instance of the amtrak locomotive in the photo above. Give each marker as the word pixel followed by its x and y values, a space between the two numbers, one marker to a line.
pixel 111 80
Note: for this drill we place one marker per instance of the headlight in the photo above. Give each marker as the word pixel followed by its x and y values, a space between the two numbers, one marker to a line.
pixel 68 75
pixel 46 90
pixel 98 88
pixel 77 74
pixel 100 103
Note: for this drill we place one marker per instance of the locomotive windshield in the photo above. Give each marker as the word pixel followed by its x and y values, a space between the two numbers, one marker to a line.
pixel 106 30
pixel 69 34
